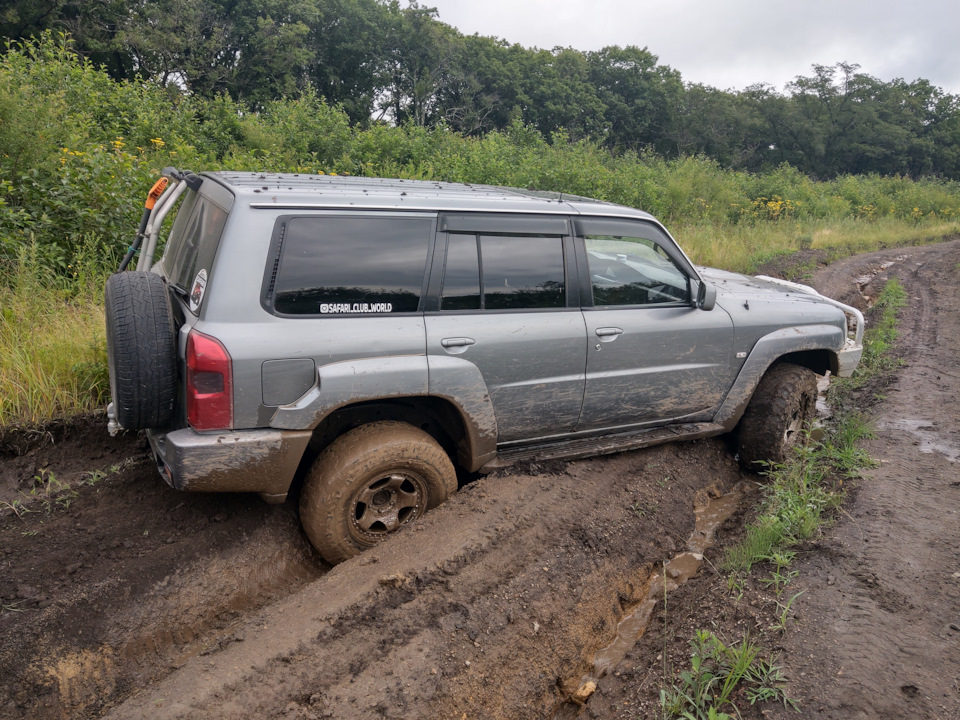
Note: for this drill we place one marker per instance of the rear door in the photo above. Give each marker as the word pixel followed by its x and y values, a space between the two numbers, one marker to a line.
pixel 654 356
pixel 503 304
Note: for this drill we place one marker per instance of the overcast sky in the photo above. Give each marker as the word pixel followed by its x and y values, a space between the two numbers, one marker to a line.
pixel 736 43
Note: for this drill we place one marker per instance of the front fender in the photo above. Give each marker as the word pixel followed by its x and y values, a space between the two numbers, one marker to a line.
pixel 766 351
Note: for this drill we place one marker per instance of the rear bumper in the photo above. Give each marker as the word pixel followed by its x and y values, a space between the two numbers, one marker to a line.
pixel 262 460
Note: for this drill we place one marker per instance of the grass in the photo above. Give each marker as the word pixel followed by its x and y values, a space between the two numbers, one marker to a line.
pixel 878 352
pixel 51 494
pixel 743 247
pixel 719 674
pixel 52 345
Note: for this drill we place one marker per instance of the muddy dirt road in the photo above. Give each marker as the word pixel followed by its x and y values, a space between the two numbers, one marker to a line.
pixel 122 598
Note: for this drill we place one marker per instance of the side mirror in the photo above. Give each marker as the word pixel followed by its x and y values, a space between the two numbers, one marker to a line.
pixel 706 296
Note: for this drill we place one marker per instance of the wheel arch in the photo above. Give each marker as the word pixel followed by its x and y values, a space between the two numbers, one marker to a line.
pixel 814 347
pixel 820 360
pixel 438 417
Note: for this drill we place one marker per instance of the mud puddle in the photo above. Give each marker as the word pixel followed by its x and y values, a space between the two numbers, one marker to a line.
pixel 926 436
pixel 671 575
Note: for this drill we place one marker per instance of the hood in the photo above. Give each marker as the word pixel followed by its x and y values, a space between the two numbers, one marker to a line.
pixel 735 286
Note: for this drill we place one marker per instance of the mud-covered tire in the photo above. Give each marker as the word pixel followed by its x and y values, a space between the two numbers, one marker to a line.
pixel 141 350
pixel 778 417
pixel 370 482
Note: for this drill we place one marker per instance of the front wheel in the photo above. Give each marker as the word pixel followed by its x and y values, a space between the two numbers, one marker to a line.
pixel 778 417
pixel 370 482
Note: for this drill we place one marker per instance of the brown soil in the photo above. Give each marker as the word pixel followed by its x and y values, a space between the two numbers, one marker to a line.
pixel 123 598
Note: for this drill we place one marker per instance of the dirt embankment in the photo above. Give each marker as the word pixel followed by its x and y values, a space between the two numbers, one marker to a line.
pixel 138 601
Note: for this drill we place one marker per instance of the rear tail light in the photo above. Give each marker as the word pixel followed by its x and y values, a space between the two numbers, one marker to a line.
pixel 209 383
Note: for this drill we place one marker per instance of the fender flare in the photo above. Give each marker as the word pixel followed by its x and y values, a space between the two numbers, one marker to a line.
pixel 768 350
pixel 457 381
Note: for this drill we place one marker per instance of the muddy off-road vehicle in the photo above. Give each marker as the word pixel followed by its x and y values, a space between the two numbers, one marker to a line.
pixel 372 336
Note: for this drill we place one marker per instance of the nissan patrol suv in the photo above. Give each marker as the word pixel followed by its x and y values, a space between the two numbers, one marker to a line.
pixel 372 336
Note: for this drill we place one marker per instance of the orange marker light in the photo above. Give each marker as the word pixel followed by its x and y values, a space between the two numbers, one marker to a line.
pixel 155 192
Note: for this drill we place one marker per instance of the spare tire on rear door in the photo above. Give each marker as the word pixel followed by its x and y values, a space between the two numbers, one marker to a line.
pixel 141 350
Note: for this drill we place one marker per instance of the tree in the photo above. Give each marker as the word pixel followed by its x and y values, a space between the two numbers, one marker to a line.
pixel 640 97
pixel 722 125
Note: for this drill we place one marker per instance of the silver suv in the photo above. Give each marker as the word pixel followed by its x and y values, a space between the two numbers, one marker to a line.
pixel 373 336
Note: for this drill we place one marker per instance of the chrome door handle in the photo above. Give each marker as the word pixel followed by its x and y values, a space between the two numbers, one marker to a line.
pixel 457 342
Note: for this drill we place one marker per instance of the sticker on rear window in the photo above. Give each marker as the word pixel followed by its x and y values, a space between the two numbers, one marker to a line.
pixel 330 308
pixel 196 294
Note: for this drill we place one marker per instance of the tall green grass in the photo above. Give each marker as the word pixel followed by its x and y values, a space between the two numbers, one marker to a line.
pixel 52 345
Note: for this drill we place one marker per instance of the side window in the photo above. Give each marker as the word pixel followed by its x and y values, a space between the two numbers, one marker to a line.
pixel 522 272
pixel 628 270
pixel 346 265
pixel 461 276
pixel 193 240
pixel 499 272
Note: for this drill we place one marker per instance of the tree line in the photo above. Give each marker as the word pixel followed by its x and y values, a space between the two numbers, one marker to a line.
pixel 383 62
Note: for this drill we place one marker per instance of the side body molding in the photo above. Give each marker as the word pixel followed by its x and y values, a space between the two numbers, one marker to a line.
pixel 764 353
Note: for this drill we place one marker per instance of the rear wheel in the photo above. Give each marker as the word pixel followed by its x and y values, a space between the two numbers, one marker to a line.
pixel 778 417
pixel 141 350
pixel 370 482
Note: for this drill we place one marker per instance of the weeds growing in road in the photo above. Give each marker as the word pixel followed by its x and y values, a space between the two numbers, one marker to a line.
pixel 878 355
pixel 784 612
pixel 51 493
pixel 717 673
pixel 795 498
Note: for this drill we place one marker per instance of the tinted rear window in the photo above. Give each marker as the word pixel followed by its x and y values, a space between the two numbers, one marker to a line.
pixel 461 279
pixel 519 272
pixel 338 265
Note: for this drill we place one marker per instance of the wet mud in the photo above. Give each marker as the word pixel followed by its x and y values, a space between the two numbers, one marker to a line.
pixel 710 515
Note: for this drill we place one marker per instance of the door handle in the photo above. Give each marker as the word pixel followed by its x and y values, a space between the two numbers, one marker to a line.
pixel 457 342
pixel 609 332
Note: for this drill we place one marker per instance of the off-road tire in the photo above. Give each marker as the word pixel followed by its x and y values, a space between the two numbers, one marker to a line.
pixel 778 417
pixel 141 350
pixel 393 461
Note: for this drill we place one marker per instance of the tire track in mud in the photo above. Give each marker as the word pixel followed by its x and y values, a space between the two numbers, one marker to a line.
pixel 489 607
pixel 107 597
